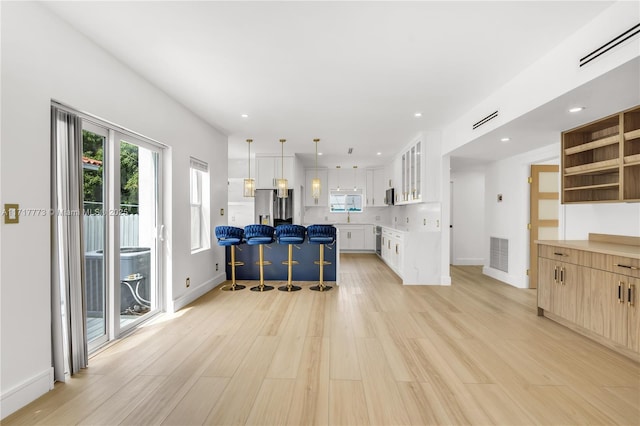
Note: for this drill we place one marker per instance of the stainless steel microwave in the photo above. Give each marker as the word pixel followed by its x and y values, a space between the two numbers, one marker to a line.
pixel 389 197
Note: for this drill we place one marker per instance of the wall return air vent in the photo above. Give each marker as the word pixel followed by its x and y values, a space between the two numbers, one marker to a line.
pixel 631 32
pixel 499 254
pixel 485 120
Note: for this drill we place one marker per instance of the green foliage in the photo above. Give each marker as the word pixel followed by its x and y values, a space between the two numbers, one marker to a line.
pixel 93 186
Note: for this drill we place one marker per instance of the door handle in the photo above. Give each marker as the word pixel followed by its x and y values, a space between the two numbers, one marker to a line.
pixel 630 291
pixel 620 294
pixel 562 276
pixel 555 274
pixel 161 233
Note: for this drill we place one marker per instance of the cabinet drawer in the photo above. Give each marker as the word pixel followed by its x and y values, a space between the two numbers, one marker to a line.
pixel 624 266
pixel 577 257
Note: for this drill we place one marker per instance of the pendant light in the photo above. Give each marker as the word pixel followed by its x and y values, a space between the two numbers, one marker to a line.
pixel 283 190
pixel 315 182
pixel 249 184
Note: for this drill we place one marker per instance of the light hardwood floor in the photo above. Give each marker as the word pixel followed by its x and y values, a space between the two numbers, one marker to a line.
pixel 369 352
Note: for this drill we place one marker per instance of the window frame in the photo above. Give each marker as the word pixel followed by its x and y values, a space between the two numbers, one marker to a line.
pixel 199 182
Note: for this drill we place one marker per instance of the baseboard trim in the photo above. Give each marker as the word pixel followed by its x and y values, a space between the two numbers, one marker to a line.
pixel 468 261
pixel 26 392
pixel 503 276
pixel 197 292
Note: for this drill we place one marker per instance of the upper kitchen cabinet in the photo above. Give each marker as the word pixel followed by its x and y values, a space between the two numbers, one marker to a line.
pixel 601 160
pixel 347 178
pixel 322 201
pixel 377 184
pixel 269 169
pixel 409 175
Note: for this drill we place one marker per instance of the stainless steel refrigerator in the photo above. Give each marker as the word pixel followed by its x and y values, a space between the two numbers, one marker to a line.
pixel 271 210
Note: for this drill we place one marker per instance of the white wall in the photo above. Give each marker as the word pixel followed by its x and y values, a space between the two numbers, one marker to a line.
pixel 468 201
pixel 607 218
pixel 552 75
pixel 508 219
pixel 44 59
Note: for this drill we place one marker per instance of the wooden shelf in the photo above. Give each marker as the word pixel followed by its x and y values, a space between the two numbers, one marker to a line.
pixel 601 160
pixel 631 160
pixel 599 166
pixel 633 134
pixel 610 140
pixel 603 186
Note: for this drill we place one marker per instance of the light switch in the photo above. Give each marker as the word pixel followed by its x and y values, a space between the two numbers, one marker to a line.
pixel 11 213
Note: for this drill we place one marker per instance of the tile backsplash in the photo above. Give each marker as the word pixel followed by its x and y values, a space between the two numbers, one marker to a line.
pixel 372 215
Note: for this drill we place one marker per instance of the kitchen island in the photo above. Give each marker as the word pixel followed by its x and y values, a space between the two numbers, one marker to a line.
pixel 305 254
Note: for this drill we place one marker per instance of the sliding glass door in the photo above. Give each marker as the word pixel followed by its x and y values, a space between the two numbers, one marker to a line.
pixel 139 230
pixel 122 225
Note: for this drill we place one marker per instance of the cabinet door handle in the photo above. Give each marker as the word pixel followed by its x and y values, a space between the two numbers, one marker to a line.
pixel 620 294
pixel 396 249
pixel 626 266
pixel 562 275
pixel 561 254
pixel 630 292
pixel 555 274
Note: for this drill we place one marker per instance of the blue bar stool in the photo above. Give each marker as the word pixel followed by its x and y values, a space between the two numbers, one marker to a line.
pixel 321 234
pixel 290 235
pixel 260 235
pixel 231 236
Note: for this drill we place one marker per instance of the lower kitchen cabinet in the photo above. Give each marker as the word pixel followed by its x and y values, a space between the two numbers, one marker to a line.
pixel 393 249
pixel 587 290
pixel 357 238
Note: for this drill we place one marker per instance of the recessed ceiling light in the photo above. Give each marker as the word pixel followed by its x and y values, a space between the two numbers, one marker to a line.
pixel 417 114
pixel 319 153
pixel 576 109
pixel 244 115
pixel 378 153
pixel 505 140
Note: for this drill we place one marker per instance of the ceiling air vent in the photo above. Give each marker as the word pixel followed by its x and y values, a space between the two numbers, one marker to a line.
pixel 486 119
pixel 633 31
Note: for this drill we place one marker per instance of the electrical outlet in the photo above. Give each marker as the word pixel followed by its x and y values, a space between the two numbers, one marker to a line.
pixel 187 282
pixel 216 266
pixel 424 222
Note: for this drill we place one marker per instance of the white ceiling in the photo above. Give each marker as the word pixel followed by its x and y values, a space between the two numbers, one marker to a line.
pixel 350 73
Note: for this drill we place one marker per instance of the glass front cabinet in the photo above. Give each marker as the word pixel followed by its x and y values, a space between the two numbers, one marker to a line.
pixel 411 175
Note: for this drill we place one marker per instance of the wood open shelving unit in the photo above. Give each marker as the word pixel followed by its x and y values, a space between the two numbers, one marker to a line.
pixel 601 160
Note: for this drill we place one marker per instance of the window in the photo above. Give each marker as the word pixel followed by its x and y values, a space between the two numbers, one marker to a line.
pixel 345 201
pixel 199 199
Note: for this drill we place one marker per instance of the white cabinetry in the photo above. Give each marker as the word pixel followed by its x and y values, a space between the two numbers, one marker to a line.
pixel 343 178
pixel 393 249
pixel 351 237
pixel 269 169
pixel 309 201
pixel 370 237
pixel 411 167
pixel 377 184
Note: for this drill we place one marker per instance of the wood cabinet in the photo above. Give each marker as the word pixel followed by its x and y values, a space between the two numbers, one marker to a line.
pixel 594 290
pixel 323 201
pixel 564 289
pixel 601 160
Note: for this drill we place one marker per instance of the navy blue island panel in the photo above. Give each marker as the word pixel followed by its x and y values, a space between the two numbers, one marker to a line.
pixel 305 254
